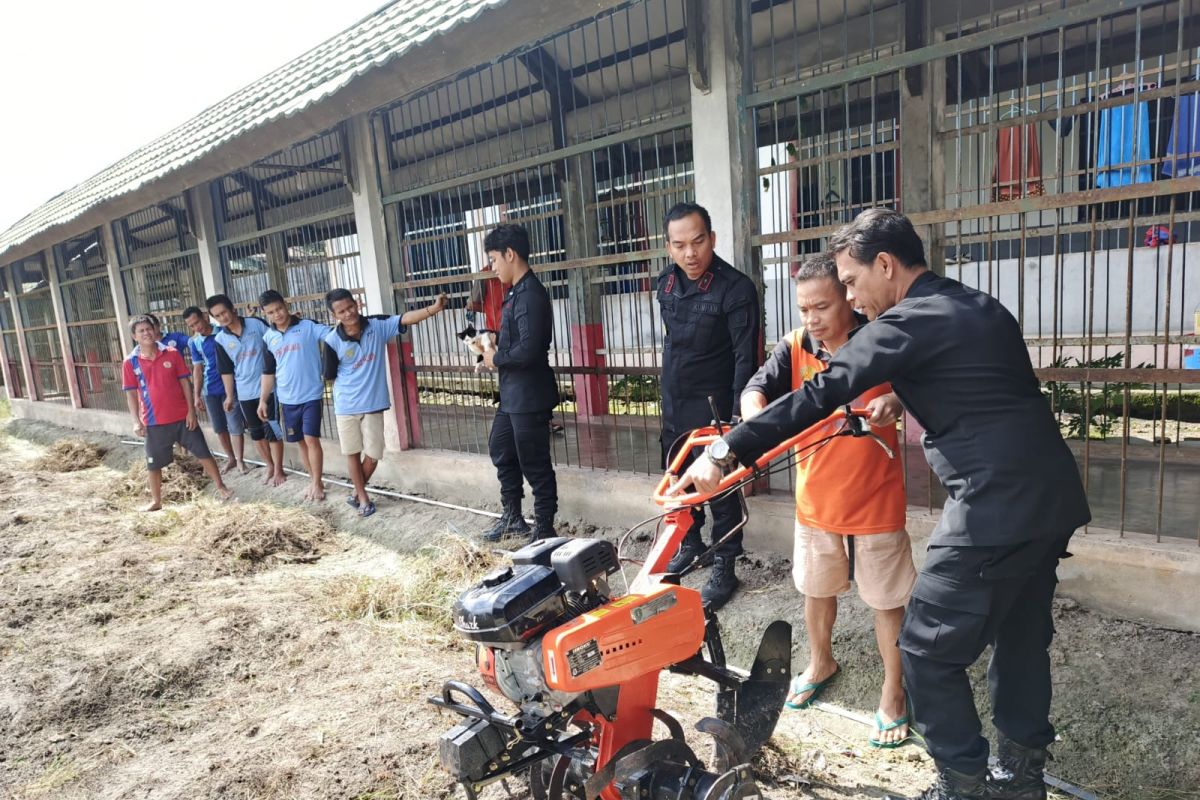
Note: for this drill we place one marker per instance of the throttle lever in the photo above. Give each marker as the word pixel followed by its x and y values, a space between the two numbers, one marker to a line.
pixel 858 427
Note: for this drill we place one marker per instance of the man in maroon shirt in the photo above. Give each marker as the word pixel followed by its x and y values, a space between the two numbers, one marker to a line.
pixel 157 389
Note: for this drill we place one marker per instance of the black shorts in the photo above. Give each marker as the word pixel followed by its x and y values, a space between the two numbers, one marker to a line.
pixel 259 430
pixel 161 439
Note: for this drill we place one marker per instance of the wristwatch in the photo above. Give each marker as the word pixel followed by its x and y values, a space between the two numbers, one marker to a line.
pixel 719 453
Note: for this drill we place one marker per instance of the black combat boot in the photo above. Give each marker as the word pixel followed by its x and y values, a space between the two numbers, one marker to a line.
pixel 1020 772
pixel 692 546
pixel 543 527
pixel 511 523
pixel 951 785
pixel 721 583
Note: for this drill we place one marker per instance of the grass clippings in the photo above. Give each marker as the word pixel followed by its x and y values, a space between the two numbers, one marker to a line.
pixel 69 455
pixel 183 481
pixel 252 536
pixel 424 589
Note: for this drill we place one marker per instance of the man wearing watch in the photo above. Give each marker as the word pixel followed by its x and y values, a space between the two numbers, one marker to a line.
pixel 957 359
pixel 710 349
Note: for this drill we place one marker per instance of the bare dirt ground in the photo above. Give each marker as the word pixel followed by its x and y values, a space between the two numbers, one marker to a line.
pixel 153 656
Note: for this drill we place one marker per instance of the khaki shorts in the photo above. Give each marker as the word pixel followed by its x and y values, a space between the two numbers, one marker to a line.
pixel 883 566
pixel 361 433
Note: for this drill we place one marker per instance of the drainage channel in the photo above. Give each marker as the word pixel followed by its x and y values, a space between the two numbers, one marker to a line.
pixel 346 484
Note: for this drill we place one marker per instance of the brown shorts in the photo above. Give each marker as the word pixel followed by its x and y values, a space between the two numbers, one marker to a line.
pixel 883 566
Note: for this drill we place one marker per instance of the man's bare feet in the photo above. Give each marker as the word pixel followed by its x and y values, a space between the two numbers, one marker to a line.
pixel 267 476
pixel 316 492
pixel 891 721
pixel 224 493
pixel 151 507
pixel 243 468
pixel 230 466
pixel 278 479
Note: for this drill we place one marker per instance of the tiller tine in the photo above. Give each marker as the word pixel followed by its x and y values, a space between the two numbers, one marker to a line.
pixel 753 708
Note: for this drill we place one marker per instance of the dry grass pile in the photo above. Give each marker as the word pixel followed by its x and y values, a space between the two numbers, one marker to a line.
pixel 183 481
pixel 252 535
pixel 69 455
pixel 423 589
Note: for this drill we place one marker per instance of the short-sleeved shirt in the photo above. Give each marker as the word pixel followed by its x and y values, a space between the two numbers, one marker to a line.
pixel 294 357
pixel 359 366
pixel 849 486
pixel 203 350
pixel 242 357
pixel 156 380
pixel 175 339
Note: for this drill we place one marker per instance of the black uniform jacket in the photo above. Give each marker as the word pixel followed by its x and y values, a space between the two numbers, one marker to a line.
pixel 711 332
pixel 956 358
pixel 522 349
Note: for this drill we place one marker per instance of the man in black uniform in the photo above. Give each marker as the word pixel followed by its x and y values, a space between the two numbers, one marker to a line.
pixel 520 440
pixel 710 313
pixel 956 358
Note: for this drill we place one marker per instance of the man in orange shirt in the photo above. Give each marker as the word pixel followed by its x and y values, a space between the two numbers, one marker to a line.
pixel 850 505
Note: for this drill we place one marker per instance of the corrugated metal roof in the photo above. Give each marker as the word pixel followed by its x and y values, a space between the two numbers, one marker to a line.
pixel 298 84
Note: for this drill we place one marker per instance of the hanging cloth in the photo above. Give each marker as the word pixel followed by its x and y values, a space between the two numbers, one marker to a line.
pixel 1018 169
pixel 1121 130
pixel 1183 148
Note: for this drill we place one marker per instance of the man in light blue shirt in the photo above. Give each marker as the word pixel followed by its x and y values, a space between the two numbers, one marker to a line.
pixel 240 352
pixel 292 368
pixel 209 389
pixel 356 360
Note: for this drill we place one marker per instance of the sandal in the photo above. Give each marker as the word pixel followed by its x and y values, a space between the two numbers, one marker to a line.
pixel 367 510
pixel 881 727
pixel 352 501
pixel 814 689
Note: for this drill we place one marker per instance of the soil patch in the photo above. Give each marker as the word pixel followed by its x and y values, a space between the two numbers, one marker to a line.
pixel 294 662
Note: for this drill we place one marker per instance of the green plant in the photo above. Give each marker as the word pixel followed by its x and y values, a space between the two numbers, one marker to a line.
pixel 1089 414
pixel 636 389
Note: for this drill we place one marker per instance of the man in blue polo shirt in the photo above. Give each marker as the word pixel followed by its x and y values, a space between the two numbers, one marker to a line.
pixel 356 360
pixel 292 368
pixel 240 351
pixel 209 389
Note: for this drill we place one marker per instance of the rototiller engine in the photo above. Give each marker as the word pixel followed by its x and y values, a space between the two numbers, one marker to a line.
pixel 583 669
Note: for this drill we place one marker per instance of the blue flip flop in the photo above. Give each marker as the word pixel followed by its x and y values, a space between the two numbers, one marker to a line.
pixel 352 501
pixel 814 688
pixel 367 510
pixel 881 726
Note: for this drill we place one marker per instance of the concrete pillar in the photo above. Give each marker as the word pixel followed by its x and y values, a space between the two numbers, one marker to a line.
pixel 402 428
pixel 8 376
pixel 211 272
pixel 22 345
pixel 108 243
pixel 367 197
pixel 587 312
pixel 722 135
pixel 276 266
pixel 60 321
pixel 922 151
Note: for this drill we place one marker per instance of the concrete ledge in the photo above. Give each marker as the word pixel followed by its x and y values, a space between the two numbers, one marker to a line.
pixel 1135 578
pixel 1132 578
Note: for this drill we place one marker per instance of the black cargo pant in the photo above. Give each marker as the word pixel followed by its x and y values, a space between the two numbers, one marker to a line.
pixel 966 598
pixel 519 445
pixel 681 416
